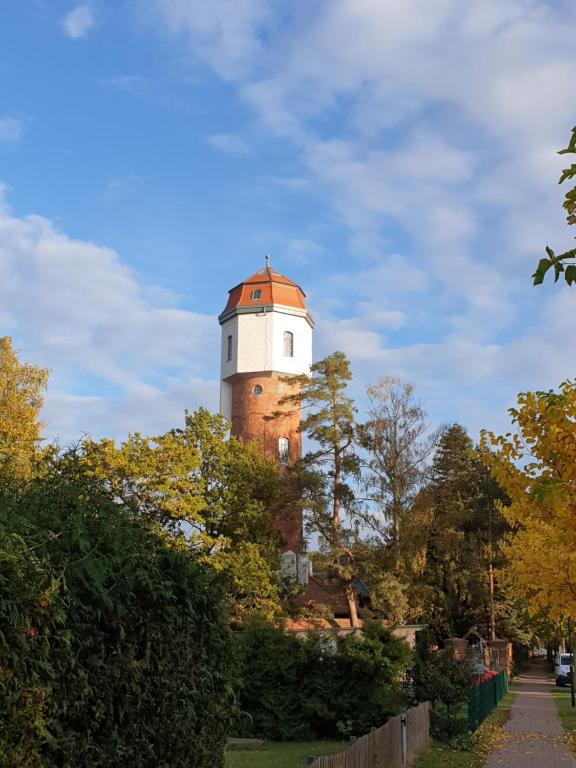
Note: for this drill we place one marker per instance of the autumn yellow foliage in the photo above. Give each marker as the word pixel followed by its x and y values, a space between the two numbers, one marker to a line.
pixel 536 466
pixel 22 387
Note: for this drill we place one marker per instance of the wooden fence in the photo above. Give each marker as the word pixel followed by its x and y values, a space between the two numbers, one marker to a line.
pixel 394 745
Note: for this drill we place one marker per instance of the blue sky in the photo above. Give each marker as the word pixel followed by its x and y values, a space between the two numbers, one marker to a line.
pixel 395 158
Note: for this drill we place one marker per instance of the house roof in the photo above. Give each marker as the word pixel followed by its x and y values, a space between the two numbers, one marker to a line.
pixel 263 289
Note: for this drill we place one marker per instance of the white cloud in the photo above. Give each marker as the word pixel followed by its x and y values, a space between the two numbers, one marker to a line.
pixel 75 308
pixel 225 34
pixel 431 127
pixel 78 22
pixel 11 129
pixel 229 143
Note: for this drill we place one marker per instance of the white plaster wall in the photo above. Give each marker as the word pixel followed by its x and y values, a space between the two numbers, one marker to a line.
pixel 228 367
pixel 255 340
pixel 258 344
pixel 302 331
pixel 226 399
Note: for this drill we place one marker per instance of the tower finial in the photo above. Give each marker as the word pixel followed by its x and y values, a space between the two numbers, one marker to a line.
pixel 267 261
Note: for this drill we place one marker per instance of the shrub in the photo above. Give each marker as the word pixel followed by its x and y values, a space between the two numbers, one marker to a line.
pixel 293 688
pixel 445 682
pixel 114 650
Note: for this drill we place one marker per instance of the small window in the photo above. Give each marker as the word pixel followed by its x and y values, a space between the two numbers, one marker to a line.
pixel 283 450
pixel 257 389
pixel 257 294
pixel 288 344
pixel 229 349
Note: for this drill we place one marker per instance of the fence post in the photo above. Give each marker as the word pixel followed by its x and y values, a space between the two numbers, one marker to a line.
pixel 403 745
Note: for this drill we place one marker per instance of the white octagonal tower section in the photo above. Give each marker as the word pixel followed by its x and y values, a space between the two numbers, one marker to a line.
pixel 263 335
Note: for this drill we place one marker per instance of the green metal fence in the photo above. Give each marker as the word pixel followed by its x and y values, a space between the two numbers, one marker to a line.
pixel 484 697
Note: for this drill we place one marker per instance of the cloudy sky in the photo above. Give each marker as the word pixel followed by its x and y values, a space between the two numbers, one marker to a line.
pixel 395 157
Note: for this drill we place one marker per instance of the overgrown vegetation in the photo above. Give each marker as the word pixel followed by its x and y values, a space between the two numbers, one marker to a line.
pixel 317 687
pixel 114 646
pixel 438 678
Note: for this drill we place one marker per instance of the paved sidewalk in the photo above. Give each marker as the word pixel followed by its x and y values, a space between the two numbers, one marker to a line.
pixel 533 737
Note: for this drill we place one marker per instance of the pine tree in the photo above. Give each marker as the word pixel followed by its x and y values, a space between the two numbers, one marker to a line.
pixel 328 420
pixel 462 538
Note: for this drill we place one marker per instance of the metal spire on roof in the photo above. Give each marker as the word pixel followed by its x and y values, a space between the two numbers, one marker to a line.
pixel 267 261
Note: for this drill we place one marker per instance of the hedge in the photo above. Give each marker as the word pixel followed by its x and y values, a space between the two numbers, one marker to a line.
pixel 293 688
pixel 114 649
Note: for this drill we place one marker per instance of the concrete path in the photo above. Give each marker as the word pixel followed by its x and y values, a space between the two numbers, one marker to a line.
pixel 533 737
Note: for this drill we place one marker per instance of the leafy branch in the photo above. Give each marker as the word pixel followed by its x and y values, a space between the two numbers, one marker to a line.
pixel 553 261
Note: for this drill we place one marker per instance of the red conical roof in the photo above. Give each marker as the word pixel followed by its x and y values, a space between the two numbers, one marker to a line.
pixel 264 288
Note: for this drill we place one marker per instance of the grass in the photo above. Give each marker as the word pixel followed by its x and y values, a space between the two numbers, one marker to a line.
pixel 282 754
pixel 486 738
pixel 566 714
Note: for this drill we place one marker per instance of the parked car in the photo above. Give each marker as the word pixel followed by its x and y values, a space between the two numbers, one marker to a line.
pixel 562 668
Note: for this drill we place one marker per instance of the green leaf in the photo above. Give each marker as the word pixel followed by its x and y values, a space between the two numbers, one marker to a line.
pixel 543 267
pixel 567 173
pixel 558 269
pixel 570 274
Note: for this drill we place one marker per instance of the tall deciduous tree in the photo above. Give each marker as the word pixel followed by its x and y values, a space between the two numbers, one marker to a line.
pixel 397 443
pixel 536 465
pixel 205 491
pixel 328 420
pixel 22 386
pixel 557 263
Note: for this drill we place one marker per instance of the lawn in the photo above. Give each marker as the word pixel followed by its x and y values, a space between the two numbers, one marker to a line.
pixel 282 754
pixel 486 738
pixel 566 714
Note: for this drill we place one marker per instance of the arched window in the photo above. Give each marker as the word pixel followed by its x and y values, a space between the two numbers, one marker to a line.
pixel 229 349
pixel 288 344
pixel 283 450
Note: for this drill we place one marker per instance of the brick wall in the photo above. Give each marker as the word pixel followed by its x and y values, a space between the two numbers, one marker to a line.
pixel 249 423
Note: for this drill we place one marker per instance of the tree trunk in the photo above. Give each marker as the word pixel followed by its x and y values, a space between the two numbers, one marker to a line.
pixel 351 601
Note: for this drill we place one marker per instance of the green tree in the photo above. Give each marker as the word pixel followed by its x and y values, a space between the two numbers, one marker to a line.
pixel 115 647
pixel 328 420
pixel 554 262
pixel 204 491
pixel 465 527
pixel 397 443
pixel 21 398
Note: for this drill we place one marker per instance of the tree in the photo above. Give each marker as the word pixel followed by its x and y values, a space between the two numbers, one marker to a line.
pixel 328 420
pixel 465 525
pixel 21 399
pixel 397 448
pixel 536 466
pixel 205 492
pixel 553 261
pixel 115 649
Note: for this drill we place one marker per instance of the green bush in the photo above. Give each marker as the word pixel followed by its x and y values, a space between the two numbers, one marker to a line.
pixel 445 682
pixel 114 650
pixel 317 687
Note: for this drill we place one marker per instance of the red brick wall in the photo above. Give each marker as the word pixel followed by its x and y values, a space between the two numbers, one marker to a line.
pixel 249 410
pixel 248 423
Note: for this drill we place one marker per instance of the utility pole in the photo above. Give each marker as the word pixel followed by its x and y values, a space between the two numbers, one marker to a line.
pixel 491 577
